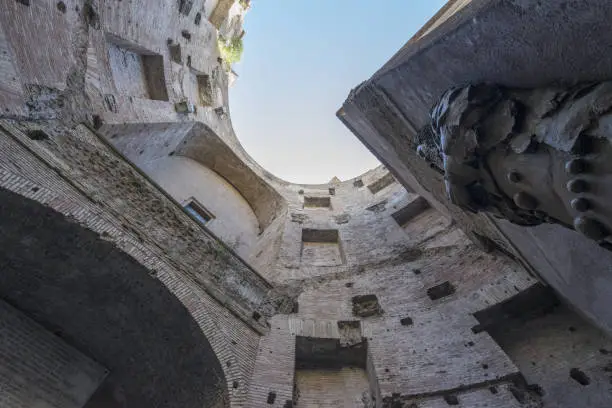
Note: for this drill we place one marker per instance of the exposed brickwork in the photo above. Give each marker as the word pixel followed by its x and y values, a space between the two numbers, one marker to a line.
pixel 33 179
pixel 50 372
pixel 291 294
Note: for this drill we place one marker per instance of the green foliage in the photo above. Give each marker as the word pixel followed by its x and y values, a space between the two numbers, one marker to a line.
pixel 230 50
pixel 245 4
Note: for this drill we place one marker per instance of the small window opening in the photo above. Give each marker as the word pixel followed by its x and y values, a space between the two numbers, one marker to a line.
pixel 199 212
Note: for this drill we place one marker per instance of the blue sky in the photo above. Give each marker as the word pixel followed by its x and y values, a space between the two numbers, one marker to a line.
pixel 301 58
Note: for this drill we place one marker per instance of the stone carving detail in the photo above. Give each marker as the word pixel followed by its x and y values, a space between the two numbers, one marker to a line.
pixel 529 156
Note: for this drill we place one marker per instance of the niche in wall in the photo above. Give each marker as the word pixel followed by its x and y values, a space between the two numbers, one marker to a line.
pixel 440 291
pixel 206 96
pixel 330 374
pixel 317 202
pixel 381 183
pixel 410 211
pixel 321 247
pixel 137 72
pixel 366 306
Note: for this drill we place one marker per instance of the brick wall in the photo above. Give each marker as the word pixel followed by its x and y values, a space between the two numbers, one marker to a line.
pixel 233 338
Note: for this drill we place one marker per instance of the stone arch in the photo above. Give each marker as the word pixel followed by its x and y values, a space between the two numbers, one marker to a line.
pixel 105 304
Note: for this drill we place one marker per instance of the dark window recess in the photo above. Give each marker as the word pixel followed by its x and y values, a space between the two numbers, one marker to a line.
pixel 451 399
pixel 198 19
pixel 414 208
pixel 186 35
pixel 406 321
pixel 317 235
pixel 199 212
pixel 317 202
pixel 175 53
pixel 256 316
pixel 288 404
pixel 579 376
pixel 366 305
pixel 97 121
pixel 271 397
pixel 235 384
pixel 332 191
pixel 381 183
pixel 441 290
pixel 185 6
pixel 493 389
pixel 321 353
pixel 37 134
pixel 358 183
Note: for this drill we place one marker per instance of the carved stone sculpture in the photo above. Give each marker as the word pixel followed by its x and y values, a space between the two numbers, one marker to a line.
pixel 529 156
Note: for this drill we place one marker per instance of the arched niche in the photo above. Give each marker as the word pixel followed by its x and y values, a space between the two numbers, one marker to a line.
pixel 147 143
pixel 106 305
pixel 231 217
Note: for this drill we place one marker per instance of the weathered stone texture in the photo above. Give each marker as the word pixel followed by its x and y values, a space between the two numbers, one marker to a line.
pixel 356 293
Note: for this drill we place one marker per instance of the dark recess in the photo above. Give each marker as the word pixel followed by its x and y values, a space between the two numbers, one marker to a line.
pixel 442 290
pixel 271 397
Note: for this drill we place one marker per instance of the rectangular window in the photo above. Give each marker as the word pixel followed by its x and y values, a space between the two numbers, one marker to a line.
pixel 198 211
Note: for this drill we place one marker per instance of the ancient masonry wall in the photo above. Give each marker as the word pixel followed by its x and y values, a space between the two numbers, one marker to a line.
pixel 47 180
pixel 363 295
pixel 424 341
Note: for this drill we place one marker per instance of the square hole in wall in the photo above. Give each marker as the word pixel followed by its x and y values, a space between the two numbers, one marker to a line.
pixel 350 332
pixel 317 202
pixel 366 306
pixel 196 209
pixel 410 211
pixel 321 247
pixel 175 52
pixel 185 6
pixel 358 183
pixel 137 71
pixel 442 290
pixel 381 183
